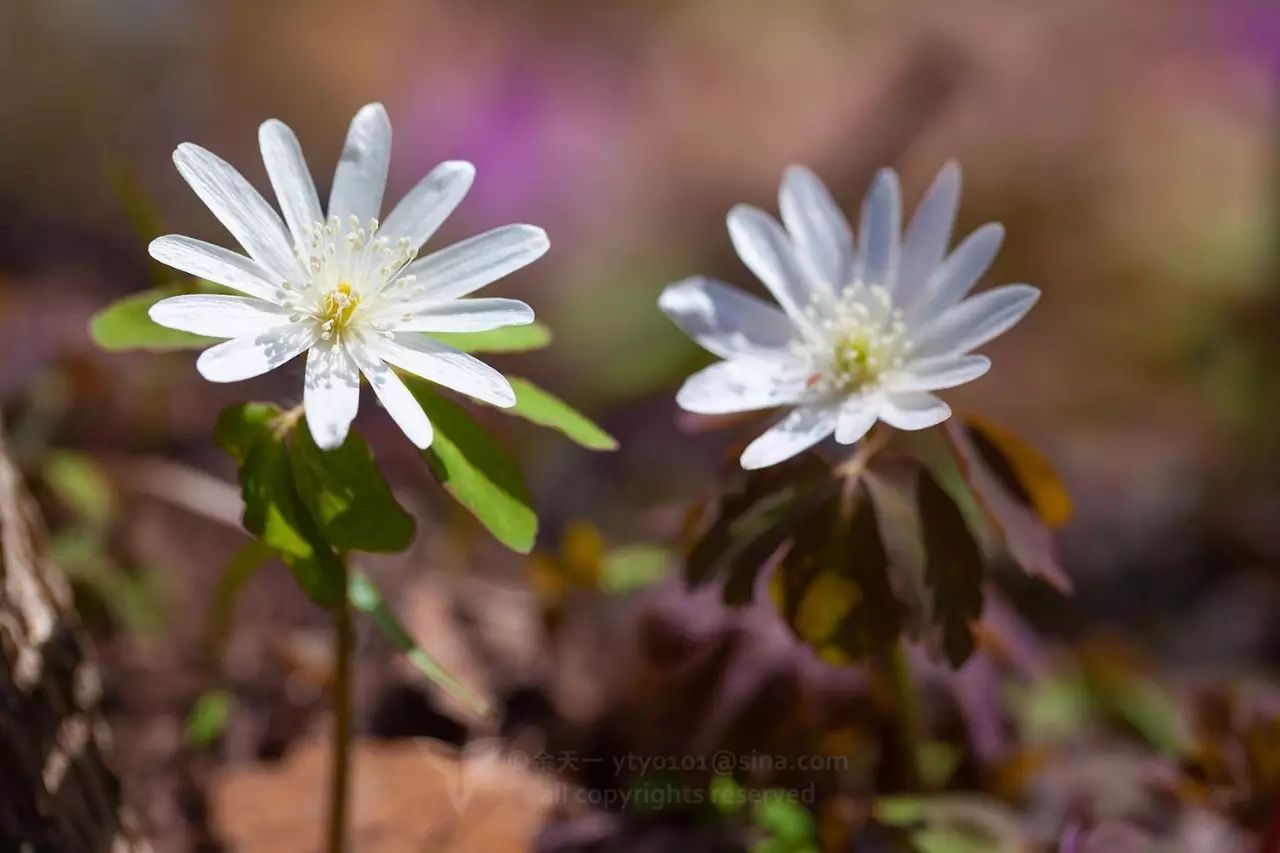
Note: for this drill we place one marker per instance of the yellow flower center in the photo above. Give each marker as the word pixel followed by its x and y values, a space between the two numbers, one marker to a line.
pixel 336 310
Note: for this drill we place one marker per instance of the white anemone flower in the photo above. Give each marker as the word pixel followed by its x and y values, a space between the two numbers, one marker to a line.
pixel 343 286
pixel 862 336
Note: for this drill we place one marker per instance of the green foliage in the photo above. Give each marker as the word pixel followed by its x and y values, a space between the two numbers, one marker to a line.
pixel 532 336
pixel 789 826
pixel 633 567
pixel 81 485
pixel 478 473
pixel 365 597
pixel 953 569
pixel 208 718
pixel 542 408
pixel 125 325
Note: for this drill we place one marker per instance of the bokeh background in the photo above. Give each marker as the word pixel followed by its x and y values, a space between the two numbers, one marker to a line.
pixel 1129 148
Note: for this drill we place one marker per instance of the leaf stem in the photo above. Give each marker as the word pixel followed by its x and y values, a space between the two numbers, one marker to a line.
pixel 906 701
pixel 340 767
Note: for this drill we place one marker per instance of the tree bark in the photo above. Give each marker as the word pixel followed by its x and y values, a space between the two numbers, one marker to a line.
pixel 57 789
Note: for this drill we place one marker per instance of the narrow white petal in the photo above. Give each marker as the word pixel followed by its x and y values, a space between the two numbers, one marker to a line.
pixel 855 419
pixel 214 263
pixel 468 266
pixel 443 365
pixel 975 321
pixel 724 320
pixel 361 176
pixel 928 234
pixel 912 411
pixel 331 393
pixel 253 355
pixel 959 272
pixel 392 393
pixel 218 316
pixel 767 251
pixel 466 315
pixel 741 386
pixel 290 178
pixel 822 236
pixel 794 434
pixel 932 374
pixel 240 209
pixel 879 231
pixel 428 204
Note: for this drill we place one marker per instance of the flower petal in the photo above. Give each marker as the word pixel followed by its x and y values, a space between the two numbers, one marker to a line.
pixel 428 204
pixel 361 176
pixel 240 209
pixel 468 266
pixel 330 393
pixel 879 232
pixel 218 316
pixel 794 434
pixel 214 263
pixel 443 365
pixel 767 251
pixel 253 355
pixel 290 178
pixel 912 411
pixel 855 419
pixel 741 386
pixel 959 272
pixel 975 321
pixel 820 231
pixel 932 374
pixel 392 393
pixel 724 320
pixel 467 315
pixel 928 234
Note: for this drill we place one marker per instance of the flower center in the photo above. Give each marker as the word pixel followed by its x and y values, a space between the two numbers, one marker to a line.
pixel 857 337
pixel 336 310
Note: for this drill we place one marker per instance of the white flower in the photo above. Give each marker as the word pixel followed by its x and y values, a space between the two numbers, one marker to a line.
pixel 343 287
pixel 862 336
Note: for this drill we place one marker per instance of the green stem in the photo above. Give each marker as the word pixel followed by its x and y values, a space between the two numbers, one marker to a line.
pixel 906 702
pixel 340 768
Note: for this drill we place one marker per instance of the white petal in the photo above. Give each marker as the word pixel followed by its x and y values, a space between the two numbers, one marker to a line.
pixel 975 321
pixel 960 272
pixel 218 316
pixel 913 411
pixel 796 433
pixel 361 176
pixel 331 393
pixel 932 374
pixel 214 263
pixel 741 386
pixel 240 209
pixel 822 236
pixel 392 393
pixel 879 232
pixel 468 266
pixel 767 251
pixel 443 365
pixel 724 320
pixel 253 355
pixel 290 178
pixel 467 315
pixel 428 204
pixel 928 234
pixel 855 419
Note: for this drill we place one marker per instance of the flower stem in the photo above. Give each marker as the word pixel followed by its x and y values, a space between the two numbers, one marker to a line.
pixel 340 767
pixel 906 700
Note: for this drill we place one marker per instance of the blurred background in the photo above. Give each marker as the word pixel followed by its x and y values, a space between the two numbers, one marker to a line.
pixel 1129 148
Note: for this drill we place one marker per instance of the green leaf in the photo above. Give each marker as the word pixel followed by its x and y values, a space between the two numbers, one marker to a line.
pixel 478 473
pixel 208 718
pixel 240 428
pixel 544 409
pixel 124 325
pixel 633 567
pixel 364 596
pixel 347 495
pixel 81 485
pixel 953 569
pixel 507 339
pixel 784 817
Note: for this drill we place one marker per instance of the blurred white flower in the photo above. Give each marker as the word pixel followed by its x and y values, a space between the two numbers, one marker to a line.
pixel 343 287
pixel 862 336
